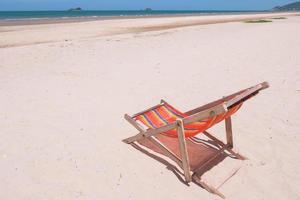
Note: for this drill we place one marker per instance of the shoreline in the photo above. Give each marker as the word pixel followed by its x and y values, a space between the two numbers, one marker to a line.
pixel 13 36
pixel 60 20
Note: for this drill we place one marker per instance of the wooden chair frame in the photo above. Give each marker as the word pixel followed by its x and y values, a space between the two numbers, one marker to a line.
pixel 209 110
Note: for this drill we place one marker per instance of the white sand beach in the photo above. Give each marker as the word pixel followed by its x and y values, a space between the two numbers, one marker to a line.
pixel 64 89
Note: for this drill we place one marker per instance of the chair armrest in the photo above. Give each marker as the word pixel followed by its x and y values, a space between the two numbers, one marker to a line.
pixel 261 86
pixel 216 110
pixel 162 129
pixel 247 94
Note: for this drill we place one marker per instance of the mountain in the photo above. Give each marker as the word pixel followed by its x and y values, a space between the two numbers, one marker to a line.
pixel 288 7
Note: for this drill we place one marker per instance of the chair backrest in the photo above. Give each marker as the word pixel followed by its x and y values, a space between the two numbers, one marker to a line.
pixel 159 115
pixel 164 113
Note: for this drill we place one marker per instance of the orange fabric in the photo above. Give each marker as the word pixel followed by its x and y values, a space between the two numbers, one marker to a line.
pixel 166 114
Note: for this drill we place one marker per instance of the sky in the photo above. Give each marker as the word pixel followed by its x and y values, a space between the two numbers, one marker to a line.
pixel 141 4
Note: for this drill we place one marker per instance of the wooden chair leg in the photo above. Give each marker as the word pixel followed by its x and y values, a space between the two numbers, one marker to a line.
pixel 207 187
pixel 183 151
pixel 133 138
pixel 229 137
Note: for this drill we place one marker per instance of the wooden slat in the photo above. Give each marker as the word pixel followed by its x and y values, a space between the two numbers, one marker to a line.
pixel 229 136
pixel 169 153
pixel 133 123
pixel 212 104
pixel 150 132
pixel 138 127
pixel 162 101
pixel 162 129
pixel 149 135
pixel 144 111
pixel 205 114
pixel 264 85
pixel 208 187
pixel 247 93
pixel 183 151
pixel 133 138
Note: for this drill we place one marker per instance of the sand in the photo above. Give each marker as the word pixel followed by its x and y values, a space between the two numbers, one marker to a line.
pixel 62 105
pixel 48 33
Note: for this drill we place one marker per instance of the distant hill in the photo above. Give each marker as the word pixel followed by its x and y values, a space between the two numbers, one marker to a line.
pixel 75 9
pixel 289 7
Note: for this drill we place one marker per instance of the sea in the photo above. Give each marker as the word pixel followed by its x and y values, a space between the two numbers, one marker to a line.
pixel 32 15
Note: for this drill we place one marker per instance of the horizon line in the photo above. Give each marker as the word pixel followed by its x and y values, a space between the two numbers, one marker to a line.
pixel 140 10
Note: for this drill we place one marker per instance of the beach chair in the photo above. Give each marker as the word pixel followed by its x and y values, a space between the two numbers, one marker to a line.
pixel 173 133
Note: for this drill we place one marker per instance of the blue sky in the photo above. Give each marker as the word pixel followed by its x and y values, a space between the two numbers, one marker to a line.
pixel 140 4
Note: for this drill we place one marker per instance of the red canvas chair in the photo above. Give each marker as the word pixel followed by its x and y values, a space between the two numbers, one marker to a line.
pixel 171 132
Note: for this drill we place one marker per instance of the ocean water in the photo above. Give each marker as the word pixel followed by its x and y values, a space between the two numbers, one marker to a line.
pixel 26 15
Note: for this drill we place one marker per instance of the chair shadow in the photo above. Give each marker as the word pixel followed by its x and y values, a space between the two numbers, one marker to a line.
pixel 200 151
pixel 163 161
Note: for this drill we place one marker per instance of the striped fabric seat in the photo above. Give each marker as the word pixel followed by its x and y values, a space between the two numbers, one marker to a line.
pixel 165 114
